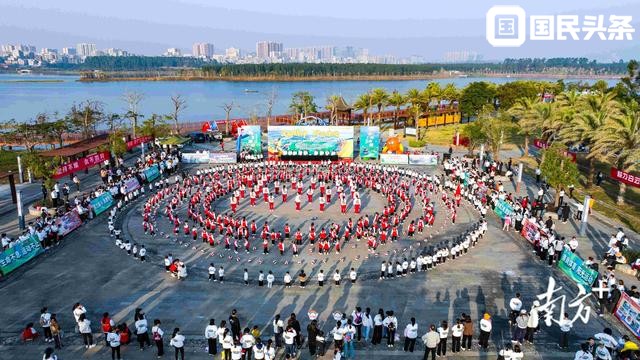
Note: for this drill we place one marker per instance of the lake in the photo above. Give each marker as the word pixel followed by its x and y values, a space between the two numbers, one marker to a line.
pixel 22 97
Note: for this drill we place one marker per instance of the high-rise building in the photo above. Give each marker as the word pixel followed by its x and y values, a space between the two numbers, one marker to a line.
pixel 173 52
pixel 268 49
pixel 69 51
pixel 85 49
pixel 116 52
pixel 233 53
pixel 202 50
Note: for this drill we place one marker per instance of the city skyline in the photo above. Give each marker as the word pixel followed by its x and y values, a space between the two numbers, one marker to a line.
pixel 430 31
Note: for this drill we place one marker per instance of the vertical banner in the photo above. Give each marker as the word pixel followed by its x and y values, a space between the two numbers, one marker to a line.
pixel 19 254
pixel 369 142
pixel 249 141
pixel 572 265
pixel 628 312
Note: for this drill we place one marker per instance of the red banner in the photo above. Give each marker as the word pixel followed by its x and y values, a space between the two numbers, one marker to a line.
pixel 137 141
pixel 625 177
pixel 540 144
pixel 81 164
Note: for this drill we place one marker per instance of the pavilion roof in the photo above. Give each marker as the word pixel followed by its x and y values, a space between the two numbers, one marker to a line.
pixel 78 147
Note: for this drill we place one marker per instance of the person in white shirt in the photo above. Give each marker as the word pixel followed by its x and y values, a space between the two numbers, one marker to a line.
pixel 270 351
pixel 443 332
pixel 221 274
pixel 391 323
pixel 247 341
pixel 45 322
pixel 212 272
pixel 227 343
pixel 353 275
pixel 141 331
pixel 278 329
pixel 515 305
pixel 270 279
pixel 289 337
pixel 259 350
pixel 338 335
pixel 485 331
pixel 456 336
pixel 84 327
pixel 337 277
pixel 236 351
pixel 177 341
pixel 260 278
pixel 157 333
pixel 565 328
pixel 211 333
pixel 606 337
pixel 410 335
pixel 287 279
pixel 583 353
pixel 113 339
pixel 321 278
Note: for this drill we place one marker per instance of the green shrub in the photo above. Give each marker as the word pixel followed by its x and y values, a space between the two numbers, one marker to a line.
pixel 414 143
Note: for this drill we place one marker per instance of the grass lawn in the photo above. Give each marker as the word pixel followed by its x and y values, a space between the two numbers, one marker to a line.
pixel 8 161
pixel 605 195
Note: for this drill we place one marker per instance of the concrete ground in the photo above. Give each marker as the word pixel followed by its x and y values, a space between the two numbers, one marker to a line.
pixel 88 268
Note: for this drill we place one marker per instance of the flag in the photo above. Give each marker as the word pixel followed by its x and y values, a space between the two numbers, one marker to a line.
pixel 458 190
pixel 206 127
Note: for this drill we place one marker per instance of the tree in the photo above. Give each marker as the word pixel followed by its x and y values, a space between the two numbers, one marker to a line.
pixel 396 100
pixel 566 109
pixel 332 106
pixel 595 111
pixel 179 105
pixel 380 98
pixel 475 133
pixel 86 116
pixel 227 107
pixel 432 94
pixel 630 84
pixel 271 101
pixel 618 142
pixel 363 103
pixel 495 128
pixel 415 98
pixel 302 103
pixel 29 134
pixel 155 126
pixel 558 170
pixel 528 122
pixel 117 145
pixel 42 167
pixel 133 99
pixel 509 93
pixel 57 129
pixel 475 96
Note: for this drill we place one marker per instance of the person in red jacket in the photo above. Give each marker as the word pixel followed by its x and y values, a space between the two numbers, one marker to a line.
pixel 281 247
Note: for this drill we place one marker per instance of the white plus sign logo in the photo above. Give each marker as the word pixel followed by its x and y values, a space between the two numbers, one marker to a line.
pixel 506 26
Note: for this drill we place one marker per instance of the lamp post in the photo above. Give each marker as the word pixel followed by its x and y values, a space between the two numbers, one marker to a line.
pixel 520 169
pixel 20 210
pixel 585 215
pixel 20 175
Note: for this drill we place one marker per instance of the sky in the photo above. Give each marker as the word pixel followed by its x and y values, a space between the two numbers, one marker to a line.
pixel 403 27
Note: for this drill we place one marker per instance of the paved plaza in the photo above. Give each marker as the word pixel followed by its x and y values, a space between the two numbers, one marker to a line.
pixel 88 268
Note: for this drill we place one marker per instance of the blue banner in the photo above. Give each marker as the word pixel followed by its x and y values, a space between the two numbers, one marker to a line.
pixel 102 203
pixel 151 173
pixel 369 142
pixel 19 254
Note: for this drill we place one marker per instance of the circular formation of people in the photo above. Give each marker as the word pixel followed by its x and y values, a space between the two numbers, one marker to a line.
pixel 285 223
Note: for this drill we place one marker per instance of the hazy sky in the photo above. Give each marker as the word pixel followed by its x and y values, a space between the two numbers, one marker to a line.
pixel 401 27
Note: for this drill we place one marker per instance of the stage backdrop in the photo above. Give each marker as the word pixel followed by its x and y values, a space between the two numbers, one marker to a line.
pixel 369 142
pixel 305 141
pixel 249 140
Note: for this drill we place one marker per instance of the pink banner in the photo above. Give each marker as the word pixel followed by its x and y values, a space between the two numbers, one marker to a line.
pixel 625 177
pixel 137 141
pixel 81 164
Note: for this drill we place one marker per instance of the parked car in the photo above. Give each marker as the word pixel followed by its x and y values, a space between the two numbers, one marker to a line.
pixel 198 137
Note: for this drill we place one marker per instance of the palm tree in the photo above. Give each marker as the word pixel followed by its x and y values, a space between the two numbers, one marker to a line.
pixel 415 98
pixel 396 100
pixel 523 111
pixel 565 111
pixel 380 98
pixel 595 111
pixel 363 103
pixel 619 140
